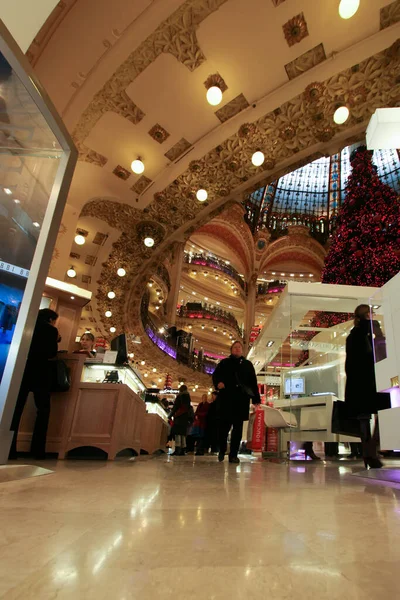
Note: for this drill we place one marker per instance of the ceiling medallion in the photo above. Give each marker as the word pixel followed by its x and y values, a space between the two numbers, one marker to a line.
pixel 325 135
pixel 160 196
pixel 150 229
pixel 269 164
pixel 314 91
pixel 223 191
pixel 288 132
pixel 121 173
pixel 215 81
pixel 295 29
pixel 195 166
pixel 232 165
pixel 247 129
pixel 158 133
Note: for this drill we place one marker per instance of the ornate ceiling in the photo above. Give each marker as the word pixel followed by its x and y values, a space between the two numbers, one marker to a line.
pixel 128 79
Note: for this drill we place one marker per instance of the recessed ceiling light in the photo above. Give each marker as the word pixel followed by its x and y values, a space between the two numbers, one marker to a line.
pixel 341 115
pixel 214 95
pixel 121 272
pixel 258 158
pixel 111 295
pixel 71 273
pixel 348 8
pixel 201 195
pixel 149 242
pixel 80 239
pixel 137 166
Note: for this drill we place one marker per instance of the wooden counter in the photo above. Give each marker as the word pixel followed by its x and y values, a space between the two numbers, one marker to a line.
pixel 110 417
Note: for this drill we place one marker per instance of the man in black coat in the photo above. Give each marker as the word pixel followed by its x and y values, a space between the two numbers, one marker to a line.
pixel 236 380
pixel 37 378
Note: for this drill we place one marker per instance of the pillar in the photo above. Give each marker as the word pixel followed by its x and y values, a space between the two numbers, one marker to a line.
pixel 250 313
pixel 175 277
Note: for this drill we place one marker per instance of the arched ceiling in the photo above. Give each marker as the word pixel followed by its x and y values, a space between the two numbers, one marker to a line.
pixel 128 80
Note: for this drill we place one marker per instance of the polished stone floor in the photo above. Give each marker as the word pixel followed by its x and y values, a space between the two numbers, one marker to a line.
pixel 188 528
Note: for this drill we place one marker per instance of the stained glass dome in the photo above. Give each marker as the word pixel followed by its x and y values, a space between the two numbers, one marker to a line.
pixel 313 194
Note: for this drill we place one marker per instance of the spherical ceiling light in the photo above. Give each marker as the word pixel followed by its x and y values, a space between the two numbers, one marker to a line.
pixel 112 329
pixel 121 272
pixel 341 115
pixel 258 158
pixel 149 242
pixel 71 272
pixel 348 8
pixel 137 166
pixel 214 95
pixel 80 239
pixel 201 195
pixel 111 295
pixel 108 313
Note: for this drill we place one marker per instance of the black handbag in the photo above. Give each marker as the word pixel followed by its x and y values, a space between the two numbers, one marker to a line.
pixel 342 423
pixel 247 391
pixel 61 376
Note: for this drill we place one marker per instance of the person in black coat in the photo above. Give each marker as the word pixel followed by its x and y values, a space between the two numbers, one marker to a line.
pixel 360 392
pixel 236 380
pixel 37 378
pixel 211 435
pixel 181 412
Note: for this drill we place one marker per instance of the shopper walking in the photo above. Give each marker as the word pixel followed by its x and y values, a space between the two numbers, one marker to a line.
pixel 181 415
pixel 37 378
pixel 199 424
pixel 236 380
pixel 360 393
pixel 211 441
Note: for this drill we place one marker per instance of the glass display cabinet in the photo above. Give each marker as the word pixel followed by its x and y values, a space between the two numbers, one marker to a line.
pixel 304 342
pixel 37 160
pixel 113 374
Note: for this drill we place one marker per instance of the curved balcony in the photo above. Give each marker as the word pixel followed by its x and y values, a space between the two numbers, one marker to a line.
pixel 210 314
pixel 217 264
pixel 273 287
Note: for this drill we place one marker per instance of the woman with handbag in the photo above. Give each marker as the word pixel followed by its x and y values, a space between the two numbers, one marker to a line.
pixel 236 380
pixel 360 394
pixel 37 378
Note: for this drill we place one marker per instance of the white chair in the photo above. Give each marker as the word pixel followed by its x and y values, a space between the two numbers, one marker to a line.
pixel 277 419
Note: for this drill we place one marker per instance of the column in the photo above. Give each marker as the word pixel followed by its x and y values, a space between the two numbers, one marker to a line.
pixel 175 276
pixel 250 313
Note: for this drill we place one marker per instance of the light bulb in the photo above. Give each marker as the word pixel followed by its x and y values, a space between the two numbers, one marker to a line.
pixel 121 272
pixel 112 329
pixel 17 201
pixel 258 158
pixel 341 115
pixel 80 239
pixel 7 191
pixel 149 242
pixel 111 295
pixel 143 362
pixel 71 272
pixel 137 166
pixel 146 374
pixel 108 313
pixel 201 195
pixel 154 370
pixel 348 8
pixel 36 224
pixel 214 95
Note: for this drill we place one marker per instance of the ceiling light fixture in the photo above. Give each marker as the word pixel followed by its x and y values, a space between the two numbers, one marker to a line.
pixel 341 115
pixel 214 95
pixel 111 295
pixel 7 191
pixel 17 201
pixel 36 224
pixel 108 313
pixel 258 158
pixel 71 272
pixel 143 362
pixel 149 242
pixel 121 272
pixel 201 195
pixel 80 239
pixel 72 297
pixel 112 329
pixel 348 8
pixel 137 166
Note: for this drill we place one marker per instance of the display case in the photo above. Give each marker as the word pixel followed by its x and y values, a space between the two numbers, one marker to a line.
pixel 94 372
pixel 37 159
pixel 304 342
pixel 153 408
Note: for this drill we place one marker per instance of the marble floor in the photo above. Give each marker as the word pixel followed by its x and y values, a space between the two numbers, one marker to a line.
pixel 178 528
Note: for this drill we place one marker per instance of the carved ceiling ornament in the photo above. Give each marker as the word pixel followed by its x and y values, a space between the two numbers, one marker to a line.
pixel 295 29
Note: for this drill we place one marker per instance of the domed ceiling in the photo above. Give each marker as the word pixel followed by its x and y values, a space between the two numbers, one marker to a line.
pixel 129 79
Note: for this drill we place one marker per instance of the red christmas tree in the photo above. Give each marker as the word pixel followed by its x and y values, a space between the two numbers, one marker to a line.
pixel 365 248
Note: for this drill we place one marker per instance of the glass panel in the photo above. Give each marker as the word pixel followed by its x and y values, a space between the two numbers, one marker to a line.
pixel 29 159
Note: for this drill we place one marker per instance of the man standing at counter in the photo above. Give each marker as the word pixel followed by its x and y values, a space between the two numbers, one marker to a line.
pixel 236 380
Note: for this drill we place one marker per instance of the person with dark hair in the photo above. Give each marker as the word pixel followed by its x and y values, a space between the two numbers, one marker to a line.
pixel 198 428
pixel 87 345
pixel 37 379
pixel 360 393
pixel 236 380
pixel 181 415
